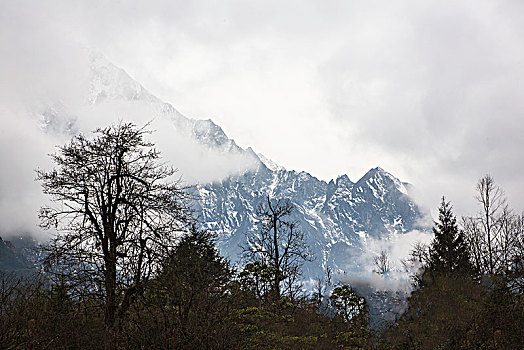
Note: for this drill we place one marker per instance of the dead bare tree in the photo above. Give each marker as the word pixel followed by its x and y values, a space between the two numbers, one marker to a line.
pixel 490 235
pixel 475 241
pixel 279 245
pixel 494 236
pixel 416 263
pixel 382 262
pixel 117 211
pixel 321 286
pixel 492 201
pixel 420 253
pixel 507 240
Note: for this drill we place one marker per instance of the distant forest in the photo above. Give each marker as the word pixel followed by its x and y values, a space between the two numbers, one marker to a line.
pixel 129 268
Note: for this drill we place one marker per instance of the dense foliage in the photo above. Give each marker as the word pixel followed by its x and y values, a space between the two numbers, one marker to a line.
pixel 448 251
pixel 461 303
pixel 196 302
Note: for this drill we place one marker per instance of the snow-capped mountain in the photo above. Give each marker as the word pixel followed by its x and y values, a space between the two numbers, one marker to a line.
pixel 336 216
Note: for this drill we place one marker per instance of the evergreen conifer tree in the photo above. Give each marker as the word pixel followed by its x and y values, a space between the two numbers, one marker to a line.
pixel 448 251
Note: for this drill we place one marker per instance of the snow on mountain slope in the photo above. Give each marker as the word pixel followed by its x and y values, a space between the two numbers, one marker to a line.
pixel 269 163
pixel 336 217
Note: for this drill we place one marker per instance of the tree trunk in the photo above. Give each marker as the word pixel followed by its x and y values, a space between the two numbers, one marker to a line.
pixel 111 302
pixel 110 281
pixel 277 258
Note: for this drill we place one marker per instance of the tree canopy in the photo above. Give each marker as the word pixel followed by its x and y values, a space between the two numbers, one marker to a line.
pixel 448 251
pixel 117 211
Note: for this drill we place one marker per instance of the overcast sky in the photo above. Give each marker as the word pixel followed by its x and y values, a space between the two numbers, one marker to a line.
pixel 431 91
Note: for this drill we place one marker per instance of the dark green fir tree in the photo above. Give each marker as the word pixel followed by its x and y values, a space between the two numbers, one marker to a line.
pixel 448 251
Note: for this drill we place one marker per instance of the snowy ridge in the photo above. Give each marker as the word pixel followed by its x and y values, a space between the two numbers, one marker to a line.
pixel 336 217
pixel 271 165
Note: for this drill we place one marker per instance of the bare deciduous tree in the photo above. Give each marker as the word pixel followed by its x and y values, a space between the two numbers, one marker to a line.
pixel 382 262
pixel 475 241
pixel 420 253
pixel 116 212
pixel 492 201
pixel 279 245
pixel 493 235
pixel 321 286
pixel 507 240
pixel 418 260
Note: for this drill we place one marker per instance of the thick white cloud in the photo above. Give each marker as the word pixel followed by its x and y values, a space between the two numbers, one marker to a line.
pixel 431 91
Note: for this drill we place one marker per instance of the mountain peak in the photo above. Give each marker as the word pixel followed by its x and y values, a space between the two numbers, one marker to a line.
pixel 343 179
pixel 109 82
pixel 376 170
pixel 377 178
pixel 373 173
